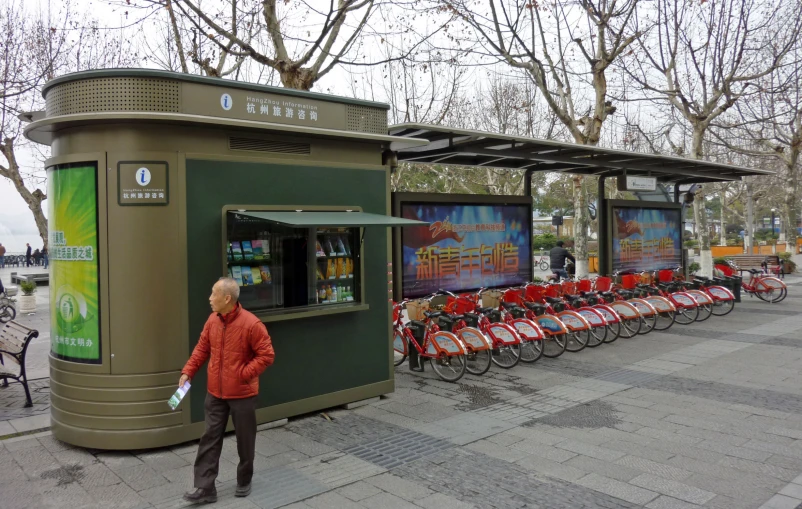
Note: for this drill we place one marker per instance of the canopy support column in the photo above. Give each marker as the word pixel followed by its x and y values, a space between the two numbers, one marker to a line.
pixel 605 242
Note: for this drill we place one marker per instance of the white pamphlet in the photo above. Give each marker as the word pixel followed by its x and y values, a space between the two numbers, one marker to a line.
pixel 176 398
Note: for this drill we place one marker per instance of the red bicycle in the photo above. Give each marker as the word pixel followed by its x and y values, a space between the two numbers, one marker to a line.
pixel 445 351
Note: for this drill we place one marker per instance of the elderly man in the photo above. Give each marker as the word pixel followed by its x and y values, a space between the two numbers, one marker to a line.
pixel 238 348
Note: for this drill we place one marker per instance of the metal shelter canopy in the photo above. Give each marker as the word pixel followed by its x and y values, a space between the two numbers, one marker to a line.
pixel 459 147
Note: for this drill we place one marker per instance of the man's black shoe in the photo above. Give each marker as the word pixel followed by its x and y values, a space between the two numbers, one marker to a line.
pixel 243 491
pixel 201 496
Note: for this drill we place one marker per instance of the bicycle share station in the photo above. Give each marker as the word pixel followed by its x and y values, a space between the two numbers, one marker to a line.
pixel 160 183
pixel 460 327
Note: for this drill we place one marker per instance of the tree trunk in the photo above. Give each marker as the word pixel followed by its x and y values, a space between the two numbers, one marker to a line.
pixel 722 238
pixel 790 209
pixel 34 198
pixel 700 213
pixel 580 227
pixel 299 79
pixel 750 219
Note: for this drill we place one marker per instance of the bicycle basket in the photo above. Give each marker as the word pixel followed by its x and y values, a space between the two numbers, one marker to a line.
pixel 569 287
pixel 665 275
pixel 491 299
pixel 628 281
pixel 513 296
pixel 554 290
pixel 603 284
pixel 535 293
pixel 459 305
pixel 11 291
pixel 584 285
pixel 416 308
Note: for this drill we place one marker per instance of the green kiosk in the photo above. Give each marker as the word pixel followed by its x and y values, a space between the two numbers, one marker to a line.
pixel 159 184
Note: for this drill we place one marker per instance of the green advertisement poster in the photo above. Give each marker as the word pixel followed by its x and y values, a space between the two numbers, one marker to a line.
pixel 72 246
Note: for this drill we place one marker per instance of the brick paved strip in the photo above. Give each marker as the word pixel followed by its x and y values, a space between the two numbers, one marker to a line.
pixel 346 430
pixel 488 482
pixel 764 398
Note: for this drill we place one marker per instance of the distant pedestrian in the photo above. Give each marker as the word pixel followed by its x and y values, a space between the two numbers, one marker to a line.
pixel 28 262
pixel 2 256
pixel 37 257
pixel 238 349
pixel 44 257
pixel 558 255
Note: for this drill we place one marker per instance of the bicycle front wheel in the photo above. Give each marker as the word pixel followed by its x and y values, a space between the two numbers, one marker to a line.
pixel 477 362
pixel 554 346
pixel 613 331
pixel 705 310
pixel 577 340
pixel 531 350
pixel 647 324
pixel 630 328
pixel 685 316
pixel 664 320
pixel 449 368
pixel 544 265
pixel 399 349
pixel 507 356
pixel 723 307
pixel 597 336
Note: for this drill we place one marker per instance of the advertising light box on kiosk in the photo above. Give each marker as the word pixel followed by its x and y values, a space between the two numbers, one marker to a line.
pixel 646 236
pixel 471 242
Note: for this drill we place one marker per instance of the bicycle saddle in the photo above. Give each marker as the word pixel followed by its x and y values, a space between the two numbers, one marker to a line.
pixel 417 323
pixel 626 294
pixel 572 297
pixel 607 295
pixel 553 300
pixel 454 317
pixel 509 305
pixel 432 314
pixel 535 306
pixel 484 310
pixel 755 271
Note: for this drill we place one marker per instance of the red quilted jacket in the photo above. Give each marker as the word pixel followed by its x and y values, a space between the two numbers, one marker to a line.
pixel 238 349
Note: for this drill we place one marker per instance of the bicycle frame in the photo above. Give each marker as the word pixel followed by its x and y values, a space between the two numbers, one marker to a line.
pixel 436 343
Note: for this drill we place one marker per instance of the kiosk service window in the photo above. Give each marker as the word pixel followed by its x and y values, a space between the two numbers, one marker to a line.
pixel 279 266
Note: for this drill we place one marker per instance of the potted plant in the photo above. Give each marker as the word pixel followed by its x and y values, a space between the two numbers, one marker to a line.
pixel 788 265
pixel 693 268
pixel 27 302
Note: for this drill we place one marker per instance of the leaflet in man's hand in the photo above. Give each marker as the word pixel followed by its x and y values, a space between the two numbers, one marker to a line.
pixel 178 396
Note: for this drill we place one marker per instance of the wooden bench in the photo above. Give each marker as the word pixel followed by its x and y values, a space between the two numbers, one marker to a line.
pixel 14 341
pixel 772 262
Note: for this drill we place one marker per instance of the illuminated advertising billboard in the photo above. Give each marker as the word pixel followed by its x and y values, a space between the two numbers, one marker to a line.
pixel 645 238
pixel 466 245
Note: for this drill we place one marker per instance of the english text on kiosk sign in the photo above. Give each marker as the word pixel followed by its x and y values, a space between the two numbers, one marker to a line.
pixel 143 183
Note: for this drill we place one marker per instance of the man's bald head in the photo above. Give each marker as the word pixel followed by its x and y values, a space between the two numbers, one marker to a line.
pixel 225 294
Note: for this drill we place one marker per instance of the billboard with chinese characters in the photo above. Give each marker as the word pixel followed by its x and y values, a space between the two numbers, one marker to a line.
pixel 467 245
pixel 73 239
pixel 646 237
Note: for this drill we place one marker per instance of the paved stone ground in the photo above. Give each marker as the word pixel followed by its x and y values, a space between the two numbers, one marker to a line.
pixel 703 416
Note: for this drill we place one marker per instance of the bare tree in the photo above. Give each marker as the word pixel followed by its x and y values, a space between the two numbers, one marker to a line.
pixel 706 56
pixel 769 126
pixel 36 47
pixel 300 40
pixel 566 49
